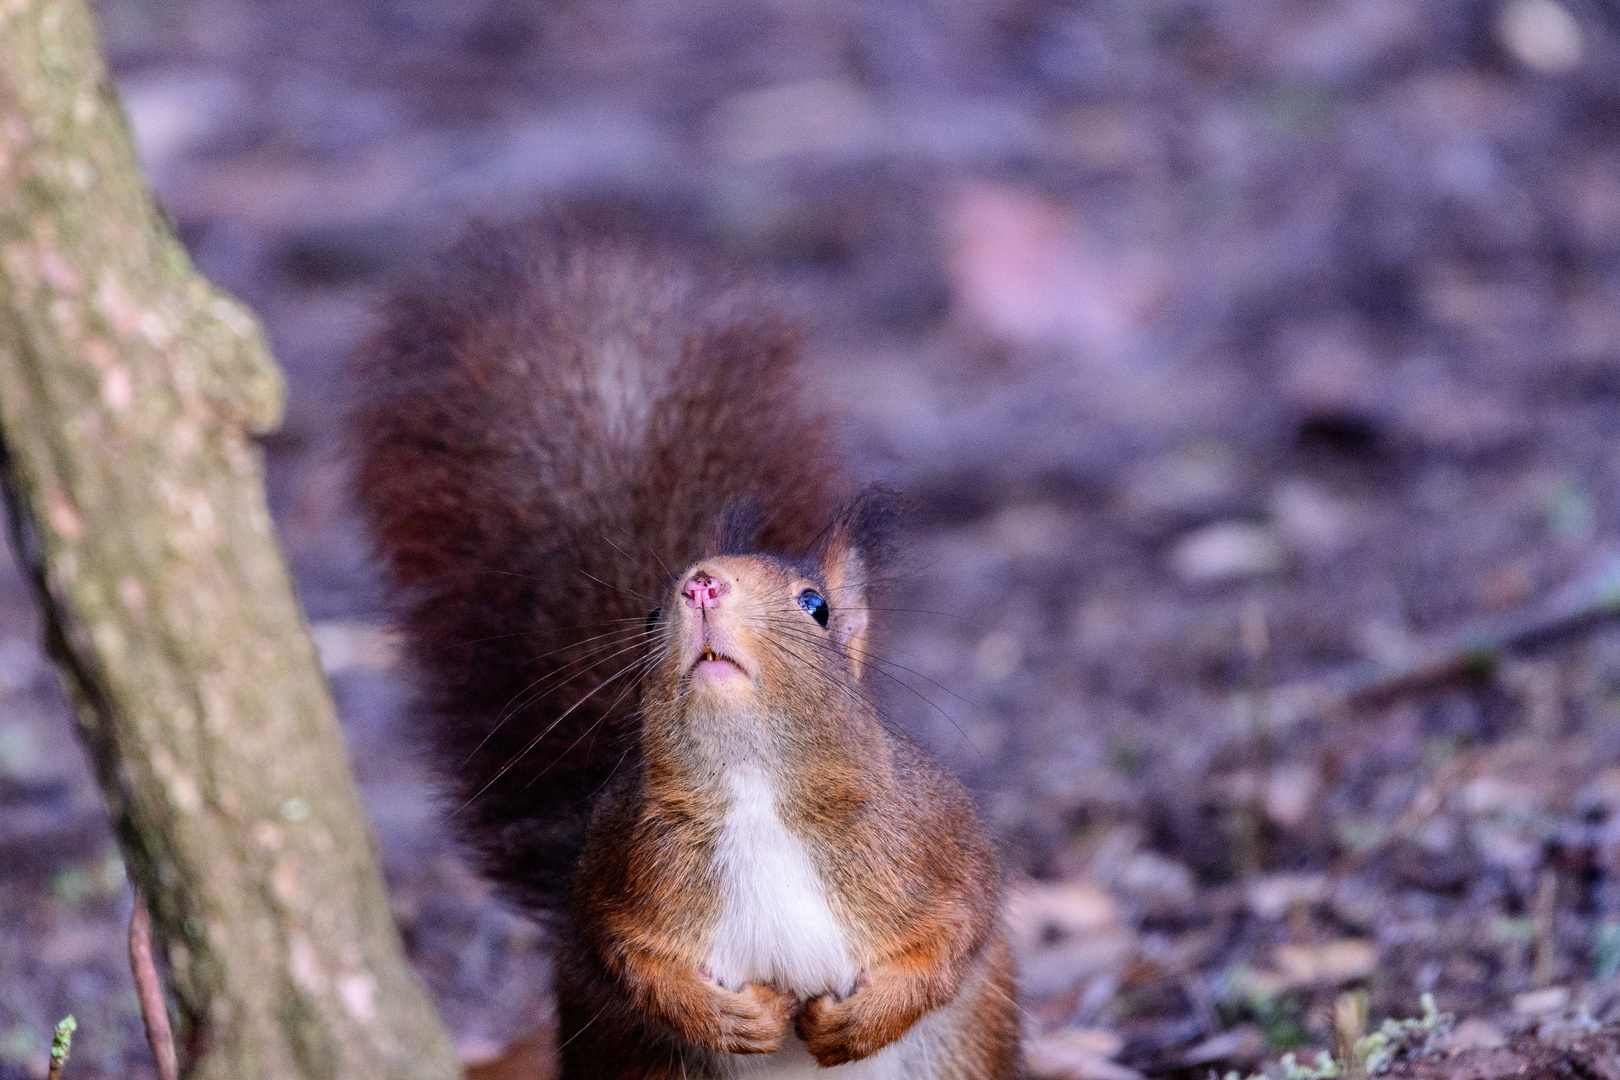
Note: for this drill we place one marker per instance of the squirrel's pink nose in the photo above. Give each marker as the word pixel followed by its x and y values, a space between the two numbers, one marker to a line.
pixel 703 591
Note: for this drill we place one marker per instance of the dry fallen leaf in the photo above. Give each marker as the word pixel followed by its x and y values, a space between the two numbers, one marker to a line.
pixel 1038 912
pixel 1025 268
pixel 1332 963
pixel 1271 896
pixel 1077 1054
pixel 1472 1034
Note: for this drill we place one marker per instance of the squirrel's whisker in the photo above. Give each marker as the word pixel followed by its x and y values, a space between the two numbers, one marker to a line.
pixel 576 668
pixel 532 743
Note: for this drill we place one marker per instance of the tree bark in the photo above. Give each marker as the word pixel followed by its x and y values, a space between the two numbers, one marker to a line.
pixel 129 388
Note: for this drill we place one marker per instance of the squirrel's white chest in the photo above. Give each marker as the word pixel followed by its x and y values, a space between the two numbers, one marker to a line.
pixel 774 923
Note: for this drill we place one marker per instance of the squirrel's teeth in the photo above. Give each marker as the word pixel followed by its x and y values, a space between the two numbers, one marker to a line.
pixel 709 654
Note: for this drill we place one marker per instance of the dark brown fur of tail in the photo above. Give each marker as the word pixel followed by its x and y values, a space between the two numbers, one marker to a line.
pixel 543 430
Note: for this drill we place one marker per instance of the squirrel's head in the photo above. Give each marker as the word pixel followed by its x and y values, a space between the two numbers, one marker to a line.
pixel 744 633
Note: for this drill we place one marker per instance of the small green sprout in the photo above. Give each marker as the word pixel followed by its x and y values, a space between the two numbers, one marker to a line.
pixel 1374 1054
pixel 1379 1050
pixel 61 1045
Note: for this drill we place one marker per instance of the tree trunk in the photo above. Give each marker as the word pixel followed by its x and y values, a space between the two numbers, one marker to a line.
pixel 129 388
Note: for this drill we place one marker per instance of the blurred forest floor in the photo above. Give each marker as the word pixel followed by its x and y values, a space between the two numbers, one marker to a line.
pixel 1220 344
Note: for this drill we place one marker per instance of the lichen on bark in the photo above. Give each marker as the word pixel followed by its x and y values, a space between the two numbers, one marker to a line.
pixel 129 392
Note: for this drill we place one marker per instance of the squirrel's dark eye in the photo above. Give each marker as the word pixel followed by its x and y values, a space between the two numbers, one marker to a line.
pixel 652 618
pixel 812 602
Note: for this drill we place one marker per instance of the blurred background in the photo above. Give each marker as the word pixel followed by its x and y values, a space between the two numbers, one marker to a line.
pixel 1220 344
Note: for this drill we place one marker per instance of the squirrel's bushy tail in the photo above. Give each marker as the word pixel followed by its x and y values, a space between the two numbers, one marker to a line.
pixel 543 431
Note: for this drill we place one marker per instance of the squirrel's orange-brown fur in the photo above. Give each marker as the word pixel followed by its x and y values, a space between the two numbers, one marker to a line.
pixel 553 438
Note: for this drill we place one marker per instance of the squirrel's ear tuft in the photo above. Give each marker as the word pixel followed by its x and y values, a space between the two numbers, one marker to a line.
pixel 853 552
pixel 738 528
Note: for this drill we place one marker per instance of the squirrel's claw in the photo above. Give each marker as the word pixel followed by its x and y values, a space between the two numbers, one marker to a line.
pixel 753 1020
pixel 826 1024
pixel 837 1030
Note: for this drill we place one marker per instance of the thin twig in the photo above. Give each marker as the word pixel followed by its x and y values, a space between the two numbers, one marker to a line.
pixel 1256 641
pixel 1544 914
pixel 1424 805
pixel 150 990
pixel 1473 650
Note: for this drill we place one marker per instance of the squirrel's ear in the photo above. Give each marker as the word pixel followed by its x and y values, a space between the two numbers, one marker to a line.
pixel 853 552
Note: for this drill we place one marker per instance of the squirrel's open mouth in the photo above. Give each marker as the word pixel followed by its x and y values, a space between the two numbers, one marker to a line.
pixel 710 656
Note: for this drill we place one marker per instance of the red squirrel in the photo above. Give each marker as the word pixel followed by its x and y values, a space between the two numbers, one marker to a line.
pixel 747 874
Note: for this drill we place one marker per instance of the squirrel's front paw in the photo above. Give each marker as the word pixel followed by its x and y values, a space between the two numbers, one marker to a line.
pixel 839 1030
pixel 753 1020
